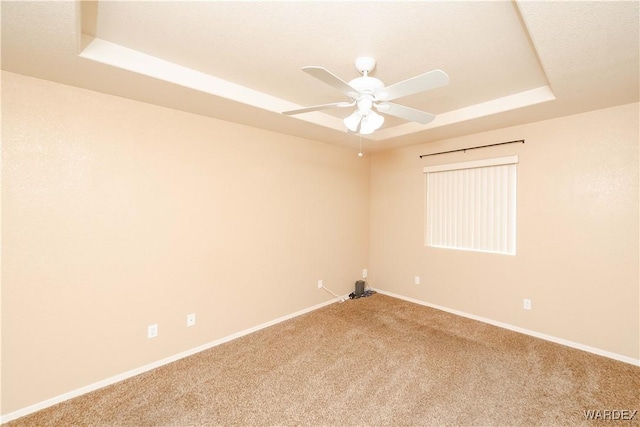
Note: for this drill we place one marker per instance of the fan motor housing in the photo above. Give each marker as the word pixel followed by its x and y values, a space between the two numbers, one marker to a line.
pixel 366 84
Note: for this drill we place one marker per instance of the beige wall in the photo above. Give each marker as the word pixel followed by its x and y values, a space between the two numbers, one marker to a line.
pixel 118 214
pixel 577 231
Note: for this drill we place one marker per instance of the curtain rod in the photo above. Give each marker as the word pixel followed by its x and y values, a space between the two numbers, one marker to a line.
pixel 472 148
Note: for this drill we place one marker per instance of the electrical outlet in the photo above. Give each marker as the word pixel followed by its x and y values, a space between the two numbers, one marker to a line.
pixel 191 319
pixel 526 304
pixel 152 331
pixel 320 284
pixel 364 273
pixel 416 280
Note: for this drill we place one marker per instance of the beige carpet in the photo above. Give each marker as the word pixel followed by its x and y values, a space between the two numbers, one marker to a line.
pixel 371 361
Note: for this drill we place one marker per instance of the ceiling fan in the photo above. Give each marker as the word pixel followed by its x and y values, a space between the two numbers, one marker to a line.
pixel 368 93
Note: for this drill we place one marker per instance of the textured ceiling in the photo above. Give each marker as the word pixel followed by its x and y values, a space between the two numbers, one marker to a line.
pixel 509 63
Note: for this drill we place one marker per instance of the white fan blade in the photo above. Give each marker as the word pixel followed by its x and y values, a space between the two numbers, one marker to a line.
pixel 319 107
pixel 427 81
pixel 331 79
pixel 406 113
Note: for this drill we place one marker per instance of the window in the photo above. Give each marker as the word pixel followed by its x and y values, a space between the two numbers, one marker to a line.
pixel 472 205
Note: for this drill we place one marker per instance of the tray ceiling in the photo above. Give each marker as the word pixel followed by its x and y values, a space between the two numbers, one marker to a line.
pixel 509 62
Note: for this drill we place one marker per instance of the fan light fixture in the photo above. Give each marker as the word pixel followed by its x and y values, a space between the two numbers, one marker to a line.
pixel 369 120
pixel 370 123
pixel 353 121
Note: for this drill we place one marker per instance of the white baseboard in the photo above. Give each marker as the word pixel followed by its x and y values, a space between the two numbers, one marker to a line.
pixel 115 379
pixel 545 337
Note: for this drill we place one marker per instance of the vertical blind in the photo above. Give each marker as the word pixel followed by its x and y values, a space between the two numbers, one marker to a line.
pixel 472 205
